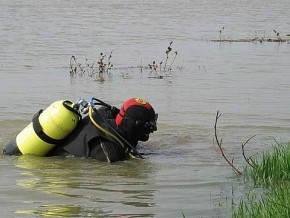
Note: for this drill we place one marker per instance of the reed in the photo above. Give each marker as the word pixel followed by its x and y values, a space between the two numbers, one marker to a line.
pixel 275 202
pixel 163 68
pixel 273 167
pixel 270 196
pixel 103 66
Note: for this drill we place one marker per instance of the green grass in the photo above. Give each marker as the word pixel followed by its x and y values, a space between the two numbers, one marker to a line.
pixel 273 167
pixel 274 202
pixel 270 195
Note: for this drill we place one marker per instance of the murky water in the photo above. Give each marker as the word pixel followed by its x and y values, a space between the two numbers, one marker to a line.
pixel 182 173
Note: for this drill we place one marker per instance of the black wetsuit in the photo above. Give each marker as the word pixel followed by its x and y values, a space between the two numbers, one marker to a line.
pixel 88 141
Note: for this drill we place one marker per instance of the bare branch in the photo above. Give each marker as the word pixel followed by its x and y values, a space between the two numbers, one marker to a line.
pixel 243 149
pixel 219 144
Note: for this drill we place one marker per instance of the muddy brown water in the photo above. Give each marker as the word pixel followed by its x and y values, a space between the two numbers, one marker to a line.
pixel 247 82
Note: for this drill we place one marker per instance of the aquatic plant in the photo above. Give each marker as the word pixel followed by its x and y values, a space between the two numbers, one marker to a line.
pixel 103 66
pixel 182 214
pixel 273 167
pixel 276 38
pixel 272 174
pixel 274 202
pixel 91 69
pixel 161 70
pixel 221 31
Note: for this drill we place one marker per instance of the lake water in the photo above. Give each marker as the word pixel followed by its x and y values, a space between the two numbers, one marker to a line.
pixel 182 173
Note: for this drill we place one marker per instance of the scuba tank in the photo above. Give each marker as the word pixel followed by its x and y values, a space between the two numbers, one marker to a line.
pixel 48 128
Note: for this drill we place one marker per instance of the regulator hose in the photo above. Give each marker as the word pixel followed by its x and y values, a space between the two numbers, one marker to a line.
pixel 116 135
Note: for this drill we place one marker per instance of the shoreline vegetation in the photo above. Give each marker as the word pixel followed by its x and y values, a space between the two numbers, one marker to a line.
pixel 268 179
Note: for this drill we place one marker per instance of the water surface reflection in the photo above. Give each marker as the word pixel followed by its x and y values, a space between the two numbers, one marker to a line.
pixel 96 188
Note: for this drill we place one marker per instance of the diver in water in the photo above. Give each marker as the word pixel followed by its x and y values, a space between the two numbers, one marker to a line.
pixel 107 133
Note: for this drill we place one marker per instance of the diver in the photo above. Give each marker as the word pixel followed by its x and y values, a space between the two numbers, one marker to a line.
pixel 106 133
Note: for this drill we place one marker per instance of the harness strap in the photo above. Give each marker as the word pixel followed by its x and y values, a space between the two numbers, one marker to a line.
pixel 39 132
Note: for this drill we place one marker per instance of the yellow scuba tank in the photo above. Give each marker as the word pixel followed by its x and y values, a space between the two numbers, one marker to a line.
pixel 48 128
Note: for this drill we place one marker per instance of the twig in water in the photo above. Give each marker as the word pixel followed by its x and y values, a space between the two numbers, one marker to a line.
pixel 252 163
pixel 219 144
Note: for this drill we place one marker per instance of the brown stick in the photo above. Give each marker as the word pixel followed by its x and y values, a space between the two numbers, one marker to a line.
pixel 250 158
pixel 219 144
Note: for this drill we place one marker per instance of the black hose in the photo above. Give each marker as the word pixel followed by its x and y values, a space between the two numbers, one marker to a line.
pixel 111 128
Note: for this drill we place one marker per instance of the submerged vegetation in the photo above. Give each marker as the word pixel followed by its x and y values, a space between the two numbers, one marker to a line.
pixel 274 202
pixel 103 67
pixel 269 179
pixel 270 194
pixel 97 70
pixel 163 70
pixel 274 166
pixel 276 37
pixel 271 175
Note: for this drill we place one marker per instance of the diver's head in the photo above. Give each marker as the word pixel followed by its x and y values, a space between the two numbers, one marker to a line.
pixel 136 120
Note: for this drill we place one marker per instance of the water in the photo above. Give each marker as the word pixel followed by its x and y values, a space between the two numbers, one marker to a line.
pixel 182 173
